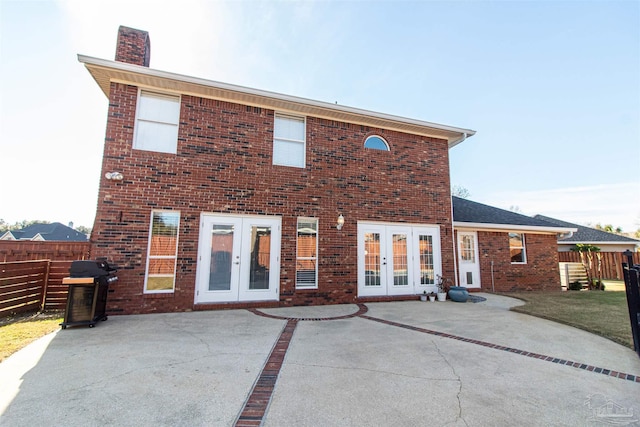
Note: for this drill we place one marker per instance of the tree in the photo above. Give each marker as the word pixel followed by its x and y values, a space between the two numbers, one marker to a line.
pixel 460 191
pixel 609 228
pixel 83 229
pixel 5 226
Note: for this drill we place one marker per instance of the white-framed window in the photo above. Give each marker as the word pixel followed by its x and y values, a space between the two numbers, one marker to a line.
pixel 162 252
pixel 157 118
pixel 289 141
pixel 307 253
pixel 517 248
pixel 376 142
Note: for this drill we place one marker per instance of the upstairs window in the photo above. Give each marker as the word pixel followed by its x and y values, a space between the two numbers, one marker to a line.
pixel 289 141
pixel 517 249
pixel 157 118
pixel 376 142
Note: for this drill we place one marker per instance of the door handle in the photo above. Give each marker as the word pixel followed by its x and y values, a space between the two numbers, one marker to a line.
pixel 236 262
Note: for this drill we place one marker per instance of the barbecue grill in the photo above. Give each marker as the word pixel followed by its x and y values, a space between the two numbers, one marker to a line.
pixel 88 286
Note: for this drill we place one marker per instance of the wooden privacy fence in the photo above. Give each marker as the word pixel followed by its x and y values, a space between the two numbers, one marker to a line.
pixel 32 285
pixel 611 263
pixel 12 250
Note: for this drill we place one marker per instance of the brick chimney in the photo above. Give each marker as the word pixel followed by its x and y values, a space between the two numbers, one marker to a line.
pixel 134 46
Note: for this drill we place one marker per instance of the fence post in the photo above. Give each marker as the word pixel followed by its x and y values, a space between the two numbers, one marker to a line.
pixel 45 285
pixel 632 287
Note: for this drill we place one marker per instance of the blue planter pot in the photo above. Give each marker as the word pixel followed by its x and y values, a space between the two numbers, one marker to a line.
pixel 458 294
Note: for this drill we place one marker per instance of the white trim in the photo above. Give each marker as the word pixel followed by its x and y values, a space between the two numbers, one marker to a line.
pixel 105 72
pixel 148 257
pixel 524 249
pixel 532 229
pixel 309 219
pixel 303 141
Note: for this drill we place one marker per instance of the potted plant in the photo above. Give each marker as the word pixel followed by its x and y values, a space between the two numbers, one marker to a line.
pixel 442 288
pixel 432 296
pixel 423 297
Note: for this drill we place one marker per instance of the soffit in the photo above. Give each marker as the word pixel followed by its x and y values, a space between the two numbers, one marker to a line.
pixel 104 72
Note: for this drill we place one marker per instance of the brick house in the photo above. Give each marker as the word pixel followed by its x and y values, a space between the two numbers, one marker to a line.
pixel 500 250
pixel 214 195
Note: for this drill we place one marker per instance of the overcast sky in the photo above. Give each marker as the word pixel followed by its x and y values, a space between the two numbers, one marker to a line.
pixel 551 87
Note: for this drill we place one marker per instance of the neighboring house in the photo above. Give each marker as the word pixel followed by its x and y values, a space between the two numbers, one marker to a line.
pixel 45 232
pixel 607 242
pixel 214 195
pixel 500 250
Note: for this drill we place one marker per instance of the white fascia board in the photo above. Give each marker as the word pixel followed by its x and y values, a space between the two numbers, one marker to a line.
pixel 297 104
pixel 509 227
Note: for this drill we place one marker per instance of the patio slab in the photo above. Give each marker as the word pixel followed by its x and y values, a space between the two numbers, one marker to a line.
pixel 400 363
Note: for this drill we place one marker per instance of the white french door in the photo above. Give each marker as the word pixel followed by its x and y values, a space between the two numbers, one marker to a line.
pixel 468 264
pixel 238 258
pixel 396 259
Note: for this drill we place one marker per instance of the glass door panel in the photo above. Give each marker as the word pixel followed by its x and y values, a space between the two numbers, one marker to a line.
pixel 372 259
pixel 260 257
pixel 221 257
pixel 400 264
pixel 425 245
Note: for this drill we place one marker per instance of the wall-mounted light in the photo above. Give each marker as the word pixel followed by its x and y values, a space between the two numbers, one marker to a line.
pixel 115 176
pixel 340 222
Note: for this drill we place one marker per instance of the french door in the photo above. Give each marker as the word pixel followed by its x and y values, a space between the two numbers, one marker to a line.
pixel 238 258
pixel 396 259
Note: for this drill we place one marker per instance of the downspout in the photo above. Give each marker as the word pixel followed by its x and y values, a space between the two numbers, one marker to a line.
pixel 453 231
pixel 453 241
pixel 493 282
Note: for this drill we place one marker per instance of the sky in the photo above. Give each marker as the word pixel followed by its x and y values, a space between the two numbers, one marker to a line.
pixel 552 89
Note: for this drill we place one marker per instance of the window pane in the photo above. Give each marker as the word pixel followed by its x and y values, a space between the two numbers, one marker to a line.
pixel 517 255
pixel 467 249
pixel 260 257
pixel 152 136
pixel 426 260
pixel 307 248
pixel 516 248
pixel 161 259
pixel 400 266
pixel 291 128
pixel 288 153
pixel 372 259
pixel 159 108
pixel 160 283
pixel 221 249
pixel 376 143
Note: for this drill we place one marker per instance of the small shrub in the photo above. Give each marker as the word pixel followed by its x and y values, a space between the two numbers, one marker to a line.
pixel 575 286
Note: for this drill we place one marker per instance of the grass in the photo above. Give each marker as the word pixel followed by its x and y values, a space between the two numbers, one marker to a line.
pixel 602 313
pixel 18 332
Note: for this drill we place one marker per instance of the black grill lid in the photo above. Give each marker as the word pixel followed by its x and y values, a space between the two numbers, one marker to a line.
pixel 90 269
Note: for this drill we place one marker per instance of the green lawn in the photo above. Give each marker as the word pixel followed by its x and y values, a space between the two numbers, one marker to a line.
pixel 602 313
pixel 17 334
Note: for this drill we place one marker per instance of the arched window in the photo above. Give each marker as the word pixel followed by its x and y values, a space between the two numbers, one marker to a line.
pixel 376 142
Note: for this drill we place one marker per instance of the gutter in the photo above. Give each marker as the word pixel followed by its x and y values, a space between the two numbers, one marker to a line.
pixel 458 225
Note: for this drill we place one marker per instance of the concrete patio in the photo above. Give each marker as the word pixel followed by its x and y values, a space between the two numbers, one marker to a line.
pixel 379 364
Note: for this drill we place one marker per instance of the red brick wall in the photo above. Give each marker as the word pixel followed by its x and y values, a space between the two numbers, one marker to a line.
pixel 224 164
pixel 541 272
